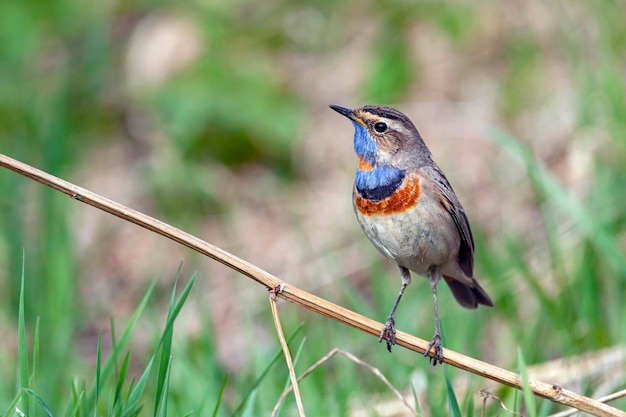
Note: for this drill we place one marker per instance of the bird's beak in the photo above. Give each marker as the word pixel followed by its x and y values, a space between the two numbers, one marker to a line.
pixel 342 110
pixel 348 113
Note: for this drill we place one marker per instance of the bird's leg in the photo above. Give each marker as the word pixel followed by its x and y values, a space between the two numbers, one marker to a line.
pixel 389 331
pixel 433 277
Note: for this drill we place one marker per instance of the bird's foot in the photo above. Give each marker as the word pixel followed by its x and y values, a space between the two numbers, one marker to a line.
pixel 435 345
pixel 388 334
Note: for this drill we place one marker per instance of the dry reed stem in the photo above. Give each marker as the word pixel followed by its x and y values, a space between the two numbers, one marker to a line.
pixel 486 395
pixel 304 299
pixel 607 398
pixel 356 360
pixel 283 343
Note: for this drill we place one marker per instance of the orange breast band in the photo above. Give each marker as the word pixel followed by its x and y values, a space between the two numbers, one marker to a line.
pixel 403 199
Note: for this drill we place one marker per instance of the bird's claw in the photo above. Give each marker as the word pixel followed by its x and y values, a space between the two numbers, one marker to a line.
pixel 388 334
pixel 435 345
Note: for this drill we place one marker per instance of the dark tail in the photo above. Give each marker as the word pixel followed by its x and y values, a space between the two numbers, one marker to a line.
pixel 468 297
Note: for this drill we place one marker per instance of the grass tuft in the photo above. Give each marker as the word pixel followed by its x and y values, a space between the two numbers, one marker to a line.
pixel 124 398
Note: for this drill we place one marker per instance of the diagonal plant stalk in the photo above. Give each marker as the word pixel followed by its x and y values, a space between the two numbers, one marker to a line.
pixel 304 299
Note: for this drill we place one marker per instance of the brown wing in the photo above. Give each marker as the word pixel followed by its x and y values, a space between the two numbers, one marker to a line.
pixel 452 205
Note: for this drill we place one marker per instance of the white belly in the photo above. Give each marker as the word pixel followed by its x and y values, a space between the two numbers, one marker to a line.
pixel 411 238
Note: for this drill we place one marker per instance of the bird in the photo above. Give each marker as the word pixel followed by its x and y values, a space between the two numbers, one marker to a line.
pixel 409 211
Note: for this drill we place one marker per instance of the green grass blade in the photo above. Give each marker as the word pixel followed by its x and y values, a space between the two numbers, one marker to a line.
pixel 35 373
pixel 162 406
pixel 163 373
pixel 415 398
pixel 22 348
pixel 134 398
pixel 545 409
pixel 166 349
pixel 41 402
pixel 121 377
pixel 453 403
pixel 529 398
pixel 166 339
pixel 98 374
pixel 73 408
pixel 75 401
pixel 248 410
pixel 469 403
pixel 220 396
pixel 173 313
pixel 10 410
pixel 110 363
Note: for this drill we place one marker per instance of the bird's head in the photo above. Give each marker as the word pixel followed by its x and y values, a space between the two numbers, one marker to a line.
pixel 385 136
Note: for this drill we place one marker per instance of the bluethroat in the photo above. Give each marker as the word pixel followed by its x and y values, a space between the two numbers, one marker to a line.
pixel 408 210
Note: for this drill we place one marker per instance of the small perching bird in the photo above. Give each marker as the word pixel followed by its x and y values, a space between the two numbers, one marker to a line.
pixel 408 210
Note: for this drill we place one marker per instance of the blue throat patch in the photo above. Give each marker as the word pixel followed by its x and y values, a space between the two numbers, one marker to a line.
pixel 378 183
pixel 364 145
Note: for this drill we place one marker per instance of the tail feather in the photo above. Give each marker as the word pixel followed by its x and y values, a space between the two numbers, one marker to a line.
pixel 468 297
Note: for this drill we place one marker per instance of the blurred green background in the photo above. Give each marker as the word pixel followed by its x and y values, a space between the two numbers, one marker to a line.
pixel 212 116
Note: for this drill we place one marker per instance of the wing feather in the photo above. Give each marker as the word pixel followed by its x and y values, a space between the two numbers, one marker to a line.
pixel 451 204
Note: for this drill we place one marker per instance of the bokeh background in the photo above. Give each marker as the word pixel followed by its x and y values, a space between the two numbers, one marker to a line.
pixel 212 116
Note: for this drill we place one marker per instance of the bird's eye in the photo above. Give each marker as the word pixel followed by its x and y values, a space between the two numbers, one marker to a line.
pixel 380 127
